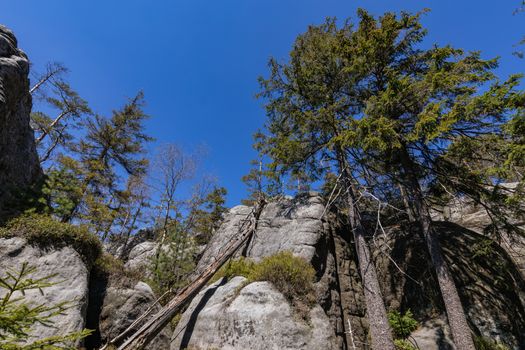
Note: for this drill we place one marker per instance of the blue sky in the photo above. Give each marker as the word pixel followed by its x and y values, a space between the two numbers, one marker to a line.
pixel 198 61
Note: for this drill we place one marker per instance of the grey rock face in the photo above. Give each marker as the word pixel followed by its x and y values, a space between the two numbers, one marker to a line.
pixel 140 255
pixel 293 225
pixel 434 335
pixel 489 283
pixel 474 217
pixel 285 225
pixel 223 315
pixel 19 165
pixel 122 305
pixel 71 274
pixel 254 317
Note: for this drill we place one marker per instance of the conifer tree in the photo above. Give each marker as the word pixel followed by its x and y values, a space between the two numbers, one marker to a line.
pixel 419 102
pixel 311 103
pixel 52 92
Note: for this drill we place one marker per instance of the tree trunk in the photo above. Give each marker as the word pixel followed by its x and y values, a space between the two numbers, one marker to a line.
pixel 456 315
pixel 381 335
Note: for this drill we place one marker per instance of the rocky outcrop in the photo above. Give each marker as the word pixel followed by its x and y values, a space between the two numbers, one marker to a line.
pixel 68 271
pixel 122 304
pixel 473 216
pixel 105 302
pixel 19 165
pixel 289 224
pixel 229 315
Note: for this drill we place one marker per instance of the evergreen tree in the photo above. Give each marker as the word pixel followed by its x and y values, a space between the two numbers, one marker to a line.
pixel 311 103
pixel 111 147
pixel 419 102
pixel 53 92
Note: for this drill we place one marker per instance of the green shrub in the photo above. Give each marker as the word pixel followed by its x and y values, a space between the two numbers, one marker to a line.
pixel 43 230
pixel 291 275
pixel 239 267
pixel 402 325
pixel 403 344
pixel 484 343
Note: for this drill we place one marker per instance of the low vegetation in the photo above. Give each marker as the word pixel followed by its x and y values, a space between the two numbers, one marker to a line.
pixel 290 275
pixel 484 343
pixel 45 231
pixel 402 326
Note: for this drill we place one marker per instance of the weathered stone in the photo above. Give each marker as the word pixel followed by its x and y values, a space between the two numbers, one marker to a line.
pixel 19 165
pixel 141 255
pixel 433 335
pixel 122 305
pixel 256 316
pixel 70 274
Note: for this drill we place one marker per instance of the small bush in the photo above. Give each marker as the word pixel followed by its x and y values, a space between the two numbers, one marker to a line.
pixel 291 275
pixel 239 267
pixel 43 230
pixel 484 343
pixel 403 344
pixel 402 325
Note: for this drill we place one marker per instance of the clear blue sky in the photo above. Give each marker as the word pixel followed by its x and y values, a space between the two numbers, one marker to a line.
pixel 198 61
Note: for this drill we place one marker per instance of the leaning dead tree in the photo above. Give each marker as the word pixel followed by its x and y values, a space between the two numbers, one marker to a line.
pixel 142 337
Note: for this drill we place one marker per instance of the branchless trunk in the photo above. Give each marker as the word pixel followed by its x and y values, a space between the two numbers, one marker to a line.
pixel 456 315
pixel 380 333
pixel 141 338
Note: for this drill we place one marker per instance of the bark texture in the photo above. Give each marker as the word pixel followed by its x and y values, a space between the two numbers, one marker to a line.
pixel 455 313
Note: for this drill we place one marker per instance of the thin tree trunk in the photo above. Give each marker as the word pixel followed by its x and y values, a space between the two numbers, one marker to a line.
pixel 381 335
pixel 455 313
pixel 46 131
pixel 406 202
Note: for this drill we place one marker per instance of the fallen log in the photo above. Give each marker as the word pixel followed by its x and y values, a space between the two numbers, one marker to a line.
pixel 144 335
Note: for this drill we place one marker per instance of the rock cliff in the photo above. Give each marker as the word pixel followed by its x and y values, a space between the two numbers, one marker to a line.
pixel 232 315
pixel 19 165
pixel 235 314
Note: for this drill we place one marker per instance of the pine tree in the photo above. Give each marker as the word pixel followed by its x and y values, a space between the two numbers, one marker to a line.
pixel 111 147
pixel 311 103
pixel 419 102
pixel 53 93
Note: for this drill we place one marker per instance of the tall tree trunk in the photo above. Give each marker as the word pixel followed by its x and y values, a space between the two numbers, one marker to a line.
pixel 456 315
pixel 380 332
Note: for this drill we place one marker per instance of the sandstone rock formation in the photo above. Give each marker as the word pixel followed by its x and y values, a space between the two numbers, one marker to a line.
pixel 69 272
pixel 217 319
pixel 121 305
pixel 19 165
pixel 229 316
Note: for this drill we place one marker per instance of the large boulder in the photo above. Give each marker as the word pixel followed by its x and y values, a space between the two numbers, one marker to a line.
pixel 256 316
pixel 141 256
pixel 69 272
pixel 122 305
pixel 19 165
